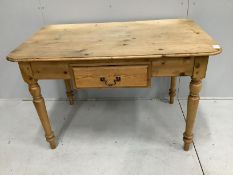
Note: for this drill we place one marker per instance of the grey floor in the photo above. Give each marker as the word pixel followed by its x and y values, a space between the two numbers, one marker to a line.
pixel 134 137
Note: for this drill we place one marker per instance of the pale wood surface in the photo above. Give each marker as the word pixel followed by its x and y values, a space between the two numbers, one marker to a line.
pixel 193 101
pixel 120 54
pixel 200 67
pixel 101 41
pixel 69 91
pixel 130 76
pixel 199 72
pixel 173 66
pixel 39 103
pixel 50 70
pixel 172 90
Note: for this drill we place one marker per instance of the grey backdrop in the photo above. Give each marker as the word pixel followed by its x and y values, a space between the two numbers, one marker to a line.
pixel 20 19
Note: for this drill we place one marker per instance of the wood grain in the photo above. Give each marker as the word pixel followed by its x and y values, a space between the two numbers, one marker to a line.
pixel 117 40
pixel 38 101
pixel 172 90
pixel 193 100
pixel 130 76
pixel 200 67
pixel 69 91
pixel 50 70
pixel 199 72
pixel 115 55
pixel 177 66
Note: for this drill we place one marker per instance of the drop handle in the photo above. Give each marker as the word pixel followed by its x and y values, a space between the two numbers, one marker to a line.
pixel 110 83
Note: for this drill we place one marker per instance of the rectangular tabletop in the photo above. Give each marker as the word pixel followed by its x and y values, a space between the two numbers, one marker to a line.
pixel 116 40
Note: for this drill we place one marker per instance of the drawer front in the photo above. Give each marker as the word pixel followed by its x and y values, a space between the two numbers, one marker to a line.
pixel 111 76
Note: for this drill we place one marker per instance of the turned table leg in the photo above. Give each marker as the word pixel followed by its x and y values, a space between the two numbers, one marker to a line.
pixel 39 103
pixel 172 90
pixel 69 91
pixel 193 100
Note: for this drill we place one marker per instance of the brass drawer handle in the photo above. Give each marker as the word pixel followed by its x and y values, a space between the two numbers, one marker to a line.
pixel 108 83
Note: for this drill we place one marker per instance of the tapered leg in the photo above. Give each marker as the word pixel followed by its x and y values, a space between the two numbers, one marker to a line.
pixel 193 100
pixel 69 92
pixel 39 103
pixel 172 90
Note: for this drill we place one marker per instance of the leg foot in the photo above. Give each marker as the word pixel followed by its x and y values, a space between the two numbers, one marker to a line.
pixel 172 90
pixel 186 146
pixel 52 141
pixel 187 141
pixel 69 92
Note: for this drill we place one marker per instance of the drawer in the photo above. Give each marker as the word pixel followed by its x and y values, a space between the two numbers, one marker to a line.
pixel 111 76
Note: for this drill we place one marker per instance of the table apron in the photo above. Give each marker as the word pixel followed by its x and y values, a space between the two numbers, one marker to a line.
pixel 180 66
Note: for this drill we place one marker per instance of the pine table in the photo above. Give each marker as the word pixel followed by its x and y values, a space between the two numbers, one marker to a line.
pixel 116 55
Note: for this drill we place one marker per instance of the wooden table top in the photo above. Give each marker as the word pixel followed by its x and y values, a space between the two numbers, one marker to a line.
pixel 116 40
